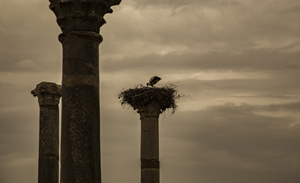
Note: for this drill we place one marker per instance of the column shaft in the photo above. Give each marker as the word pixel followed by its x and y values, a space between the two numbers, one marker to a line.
pixel 149 138
pixel 48 144
pixel 80 138
pixel 149 150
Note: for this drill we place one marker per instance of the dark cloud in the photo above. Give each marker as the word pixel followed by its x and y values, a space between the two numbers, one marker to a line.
pixel 254 60
pixel 234 138
pixel 251 86
pixel 209 25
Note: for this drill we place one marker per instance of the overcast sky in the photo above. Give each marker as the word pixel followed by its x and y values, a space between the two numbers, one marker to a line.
pixel 236 61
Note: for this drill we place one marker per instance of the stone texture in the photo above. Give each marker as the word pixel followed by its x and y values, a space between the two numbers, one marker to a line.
pixel 48 93
pixel 80 22
pixel 149 163
pixel 149 143
pixel 48 170
pixel 48 96
pixel 80 140
pixel 81 15
pixel 150 175
pixel 149 138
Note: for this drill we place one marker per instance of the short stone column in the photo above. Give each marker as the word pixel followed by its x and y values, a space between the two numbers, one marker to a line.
pixel 80 22
pixel 48 97
pixel 149 143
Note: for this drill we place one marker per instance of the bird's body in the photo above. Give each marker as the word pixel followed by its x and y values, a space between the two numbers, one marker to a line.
pixel 153 80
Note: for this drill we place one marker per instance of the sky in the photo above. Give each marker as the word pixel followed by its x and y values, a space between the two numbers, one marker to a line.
pixel 237 63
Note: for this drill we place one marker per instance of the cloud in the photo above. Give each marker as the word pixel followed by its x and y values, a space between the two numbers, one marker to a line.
pixel 203 26
pixel 244 85
pixel 248 61
pixel 19 144
pixel 234 138
pixel 26 64
pixel 170 3
pixel 30 39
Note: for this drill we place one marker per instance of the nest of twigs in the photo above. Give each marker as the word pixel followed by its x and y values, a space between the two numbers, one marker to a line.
pixel 165 97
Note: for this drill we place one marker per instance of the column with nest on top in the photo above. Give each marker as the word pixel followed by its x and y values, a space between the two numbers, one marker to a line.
pixel 150 102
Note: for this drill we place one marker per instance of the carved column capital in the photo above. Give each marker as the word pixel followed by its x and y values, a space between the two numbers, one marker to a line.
pixel 47 93
pixel 81 15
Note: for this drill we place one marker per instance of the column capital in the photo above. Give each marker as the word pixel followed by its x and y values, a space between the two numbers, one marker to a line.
pixel 151 110
pixel 47 93
pixel 81 15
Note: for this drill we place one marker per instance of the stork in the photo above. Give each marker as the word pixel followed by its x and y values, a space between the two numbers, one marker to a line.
pixel 153 80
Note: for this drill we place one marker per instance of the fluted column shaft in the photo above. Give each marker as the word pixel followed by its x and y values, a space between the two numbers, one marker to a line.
pixel 149 144
pixel 48 96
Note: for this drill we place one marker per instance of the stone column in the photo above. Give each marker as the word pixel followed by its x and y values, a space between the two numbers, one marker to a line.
pixel 149 143
pixel 80 22
pixel 48 97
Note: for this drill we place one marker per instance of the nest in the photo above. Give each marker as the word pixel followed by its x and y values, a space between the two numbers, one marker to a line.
pixel 165 97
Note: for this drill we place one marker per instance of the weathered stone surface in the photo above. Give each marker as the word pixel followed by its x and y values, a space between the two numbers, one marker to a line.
pixel 48 172
pixel 80 140
pixel 80 58
pixel 149 138
pixel 48 145
pixel 80 22
pixel 49 132
pixel 81 15
pixel 149 143
pixel 48 93
pixel 149 163
pixel 150 175
pixel 48 96
pixel 151 110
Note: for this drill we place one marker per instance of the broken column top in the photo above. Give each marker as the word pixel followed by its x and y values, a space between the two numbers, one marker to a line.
pixel 48 93
pixel 150 101
pixel 81 15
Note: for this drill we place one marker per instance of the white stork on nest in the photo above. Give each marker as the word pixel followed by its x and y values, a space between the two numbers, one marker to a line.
pixel 153 80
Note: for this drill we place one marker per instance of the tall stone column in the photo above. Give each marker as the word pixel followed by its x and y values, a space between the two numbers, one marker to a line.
pixel 150 102
pixel 149 143
pixel 48 97
pixel 80 22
